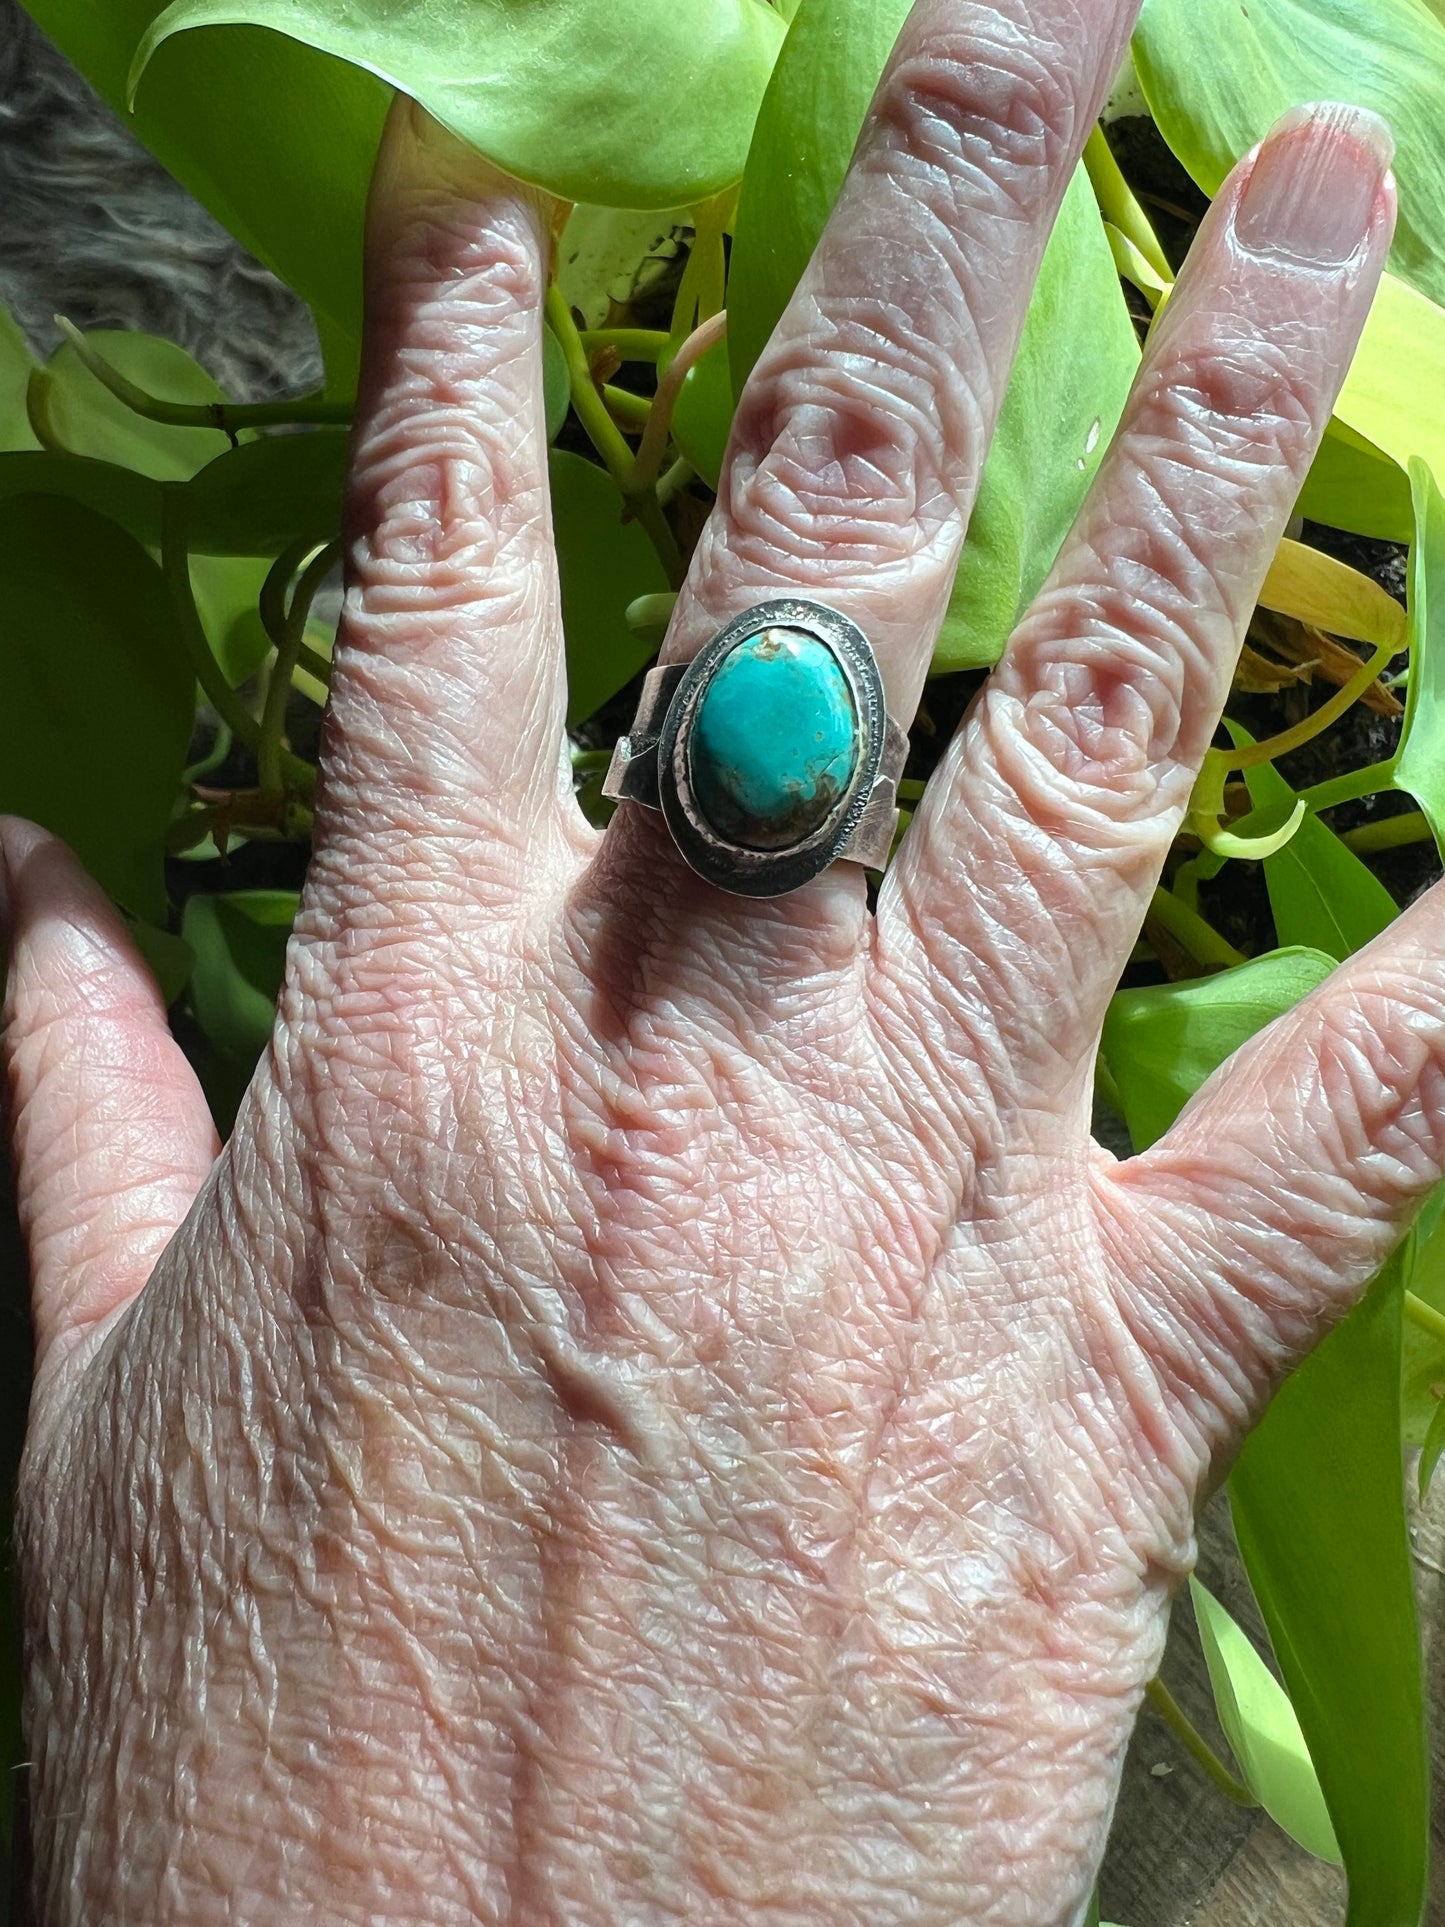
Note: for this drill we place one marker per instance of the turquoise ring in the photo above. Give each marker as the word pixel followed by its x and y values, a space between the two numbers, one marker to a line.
pixel 771 754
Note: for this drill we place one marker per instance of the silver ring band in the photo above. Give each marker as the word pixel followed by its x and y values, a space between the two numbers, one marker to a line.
pixel 850 810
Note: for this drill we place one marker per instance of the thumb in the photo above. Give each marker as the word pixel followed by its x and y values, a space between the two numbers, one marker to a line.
pixel 110 1134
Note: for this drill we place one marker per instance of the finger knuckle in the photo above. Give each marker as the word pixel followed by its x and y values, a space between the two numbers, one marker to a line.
pixel 827 457
pixel 1236 395
pixel 1000 113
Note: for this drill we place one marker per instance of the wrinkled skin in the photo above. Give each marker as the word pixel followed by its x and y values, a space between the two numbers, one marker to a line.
pixel 660 1412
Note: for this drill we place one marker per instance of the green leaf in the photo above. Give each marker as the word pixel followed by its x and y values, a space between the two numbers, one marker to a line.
pixel 99 697
pixel 228 593
pixel 605 254
pixel 1076 359
pixel 170 958
pixel 1218 73
pixel 1420 759
pixel 1351 485
pixel 1066 392
pixel 239 941
pixel 806 130
pixel 82 416
pixel 604 563
pixel 1319 1512
pixel 1320 892
pixel 1161 1043
pixel 1394 394
pixel 1422 1375
pixel 16 367
pixel 276 139
pixel 631 103
pixel 1260 1724
pixel 260 497
pixel 119 493
pixel 703 416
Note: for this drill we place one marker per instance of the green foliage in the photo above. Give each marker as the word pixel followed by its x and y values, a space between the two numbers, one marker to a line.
pixel 507 75
pixel 238 941
pixel 603 564
pixel 1420 759
pixel 1319 891
pixel 85 607
pixel 1217 75
pixel 258 498
pixel 16 366
pixel 1161 1044
pixel 1260 1724
pixel 1319 1513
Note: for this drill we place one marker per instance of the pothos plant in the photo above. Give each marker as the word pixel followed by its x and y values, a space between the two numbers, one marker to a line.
pixel 162 547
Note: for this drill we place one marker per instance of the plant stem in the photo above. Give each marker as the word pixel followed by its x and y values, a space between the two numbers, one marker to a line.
pixel 1424 1317
pixel 176 565
pixel 314 663
pixel 629 411
pixel 1350 787
pixel 273 715
pixel 653 445
pixel 1195 1744
pixel 1130 263
pixel 272 602
pixel 1252 754
pixel 230 417
pixel 1187 927
pixel 1391 833
pixel 213 758
pixel 1118 205
pixel 606 437
pixel 674 481
pixel 633 344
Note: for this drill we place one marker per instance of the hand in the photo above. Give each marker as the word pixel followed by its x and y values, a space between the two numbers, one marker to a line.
pixel 660 1412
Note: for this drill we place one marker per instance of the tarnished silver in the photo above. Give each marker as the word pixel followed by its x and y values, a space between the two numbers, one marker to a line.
pixel 650 763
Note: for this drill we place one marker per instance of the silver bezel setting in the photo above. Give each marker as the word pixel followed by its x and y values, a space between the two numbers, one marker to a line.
pixel 735 866
pixel 650 763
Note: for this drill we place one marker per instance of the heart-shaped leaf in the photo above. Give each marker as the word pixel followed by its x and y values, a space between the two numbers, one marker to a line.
pixel 264 495
pixel 99 695
pixel 128 498
pixel 631 103
pixel 1161 1043
pixel 82 415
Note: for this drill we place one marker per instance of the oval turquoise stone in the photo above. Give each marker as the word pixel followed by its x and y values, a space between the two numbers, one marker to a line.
pixel 774 742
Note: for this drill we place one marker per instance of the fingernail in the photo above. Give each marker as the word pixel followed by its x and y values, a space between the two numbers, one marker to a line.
pixel 1314 184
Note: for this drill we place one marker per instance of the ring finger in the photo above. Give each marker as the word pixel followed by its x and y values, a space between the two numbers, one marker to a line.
pixel 860 437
